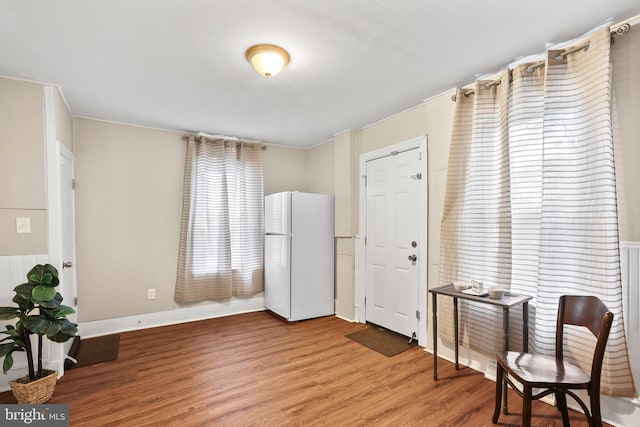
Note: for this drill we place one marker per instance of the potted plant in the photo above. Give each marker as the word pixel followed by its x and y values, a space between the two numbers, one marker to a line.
pixel 40 312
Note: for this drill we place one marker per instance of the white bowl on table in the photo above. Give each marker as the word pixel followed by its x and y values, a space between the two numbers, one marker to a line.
pixel 461 286
pixel 496 293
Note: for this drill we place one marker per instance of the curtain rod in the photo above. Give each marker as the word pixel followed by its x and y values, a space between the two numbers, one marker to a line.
pixel 223 137
pixel 616 30
pixel 623 27
pixel 487 85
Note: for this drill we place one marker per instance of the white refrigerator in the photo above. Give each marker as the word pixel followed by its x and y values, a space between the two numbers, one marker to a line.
pixel 299 255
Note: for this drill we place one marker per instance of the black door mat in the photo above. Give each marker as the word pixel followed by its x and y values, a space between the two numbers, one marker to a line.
pixel 382 340
pixel 91 351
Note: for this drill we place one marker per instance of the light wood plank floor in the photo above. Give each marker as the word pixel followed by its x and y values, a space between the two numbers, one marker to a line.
pixel 253 369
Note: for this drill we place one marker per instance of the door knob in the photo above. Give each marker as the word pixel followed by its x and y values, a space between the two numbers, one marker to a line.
pixel 413 258
pixel 67 264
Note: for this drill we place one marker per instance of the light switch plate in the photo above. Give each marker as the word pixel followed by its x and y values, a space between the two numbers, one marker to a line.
pixel 23 225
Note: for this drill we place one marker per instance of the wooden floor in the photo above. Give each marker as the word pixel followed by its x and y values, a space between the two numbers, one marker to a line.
pixel 253 369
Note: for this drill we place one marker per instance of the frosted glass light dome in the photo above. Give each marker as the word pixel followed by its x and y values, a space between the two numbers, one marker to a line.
pixel 267 59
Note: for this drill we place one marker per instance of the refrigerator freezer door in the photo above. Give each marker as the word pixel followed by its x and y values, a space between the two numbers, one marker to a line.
pixel 277 213
pixel 277 274
pixel 312 255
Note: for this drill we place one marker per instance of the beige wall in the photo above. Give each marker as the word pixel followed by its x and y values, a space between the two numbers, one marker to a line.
pixel 33 243
pixel 345 160
pixel 22 167
pixel 284 169
pixel 397 128
pixel 439 124
pixel 626 85
pixel 319 168
pixel 345 163
pixel 128 205
pixel 128 213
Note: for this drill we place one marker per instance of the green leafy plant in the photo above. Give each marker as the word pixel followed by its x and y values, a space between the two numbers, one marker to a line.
pixel 40 312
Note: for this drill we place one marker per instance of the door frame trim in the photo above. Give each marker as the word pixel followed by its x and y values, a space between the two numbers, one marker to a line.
pixel 360 253
pixel 54 206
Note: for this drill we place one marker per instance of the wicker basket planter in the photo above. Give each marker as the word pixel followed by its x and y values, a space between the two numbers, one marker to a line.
pixel 34 392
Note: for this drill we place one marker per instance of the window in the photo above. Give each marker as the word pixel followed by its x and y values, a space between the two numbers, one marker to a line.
pixel 221 240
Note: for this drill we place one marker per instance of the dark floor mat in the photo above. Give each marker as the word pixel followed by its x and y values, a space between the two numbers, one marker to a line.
pixel 98 350
pixel 381 340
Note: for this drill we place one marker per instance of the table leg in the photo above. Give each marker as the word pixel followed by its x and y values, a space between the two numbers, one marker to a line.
pixel 455 328
pixel 434 299
pixel 525 326
pixel 505 347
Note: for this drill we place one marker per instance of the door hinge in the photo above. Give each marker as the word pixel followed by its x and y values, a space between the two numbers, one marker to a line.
pixel 365 179
pixel 416 176
pixel 365 240
pixel 75 301
pixel 418 314
pixel 73 184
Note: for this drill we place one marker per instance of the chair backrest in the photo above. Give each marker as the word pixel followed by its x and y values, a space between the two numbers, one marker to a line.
pixel 590 312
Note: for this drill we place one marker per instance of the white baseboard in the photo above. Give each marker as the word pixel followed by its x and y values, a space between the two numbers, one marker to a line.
pixel 170 317
pixel 345 318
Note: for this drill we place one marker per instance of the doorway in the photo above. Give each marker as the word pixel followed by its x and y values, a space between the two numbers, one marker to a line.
pixel 60 216
pixel 391 262
pixel 67 225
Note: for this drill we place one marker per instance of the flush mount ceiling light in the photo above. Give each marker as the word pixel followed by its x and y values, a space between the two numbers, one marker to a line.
pixel 267 59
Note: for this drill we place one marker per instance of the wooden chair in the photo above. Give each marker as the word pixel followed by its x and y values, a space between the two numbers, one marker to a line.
pixel 553 374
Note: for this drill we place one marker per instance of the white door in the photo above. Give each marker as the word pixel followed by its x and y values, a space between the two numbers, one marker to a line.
pixel 392 241
pixel 67 225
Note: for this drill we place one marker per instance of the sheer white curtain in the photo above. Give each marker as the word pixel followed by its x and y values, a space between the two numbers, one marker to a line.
pixel 539 214
pixel 221 237
pixel 476 225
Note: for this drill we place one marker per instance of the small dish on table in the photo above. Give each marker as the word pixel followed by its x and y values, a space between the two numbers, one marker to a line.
pixel 460 285
pixel 496 293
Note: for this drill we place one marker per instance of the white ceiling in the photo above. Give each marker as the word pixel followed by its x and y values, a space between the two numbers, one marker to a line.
pixel 180 64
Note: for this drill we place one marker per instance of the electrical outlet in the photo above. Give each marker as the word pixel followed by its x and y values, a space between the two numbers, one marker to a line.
pixel 151 293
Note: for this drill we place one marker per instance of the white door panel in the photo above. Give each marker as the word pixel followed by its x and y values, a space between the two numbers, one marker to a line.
pixel 67 225
pixel 277 274
pixel 392 203
pixel 312 255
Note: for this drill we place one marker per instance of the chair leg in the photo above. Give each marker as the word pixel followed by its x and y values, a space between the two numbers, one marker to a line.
pixel 526 406
pixel 499 381
pixel 561 402
pixel 596 415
